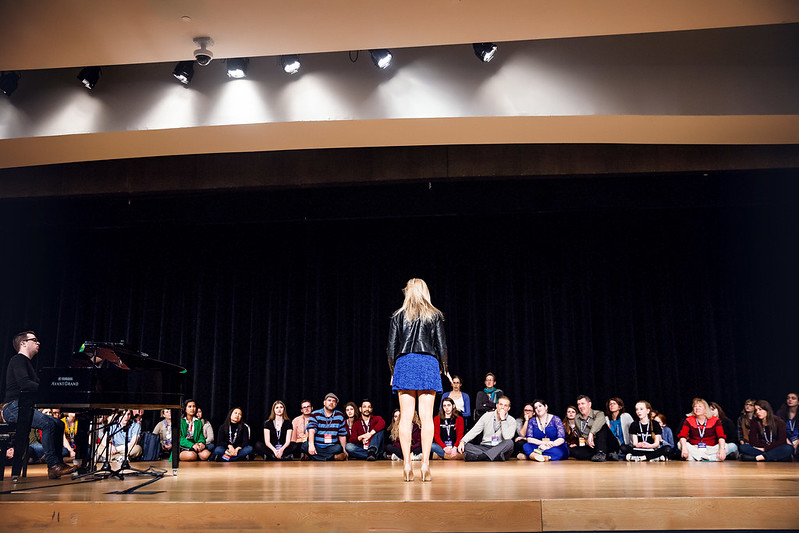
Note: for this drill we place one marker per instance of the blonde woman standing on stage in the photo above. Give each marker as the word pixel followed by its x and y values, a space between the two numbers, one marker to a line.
pixel 417 355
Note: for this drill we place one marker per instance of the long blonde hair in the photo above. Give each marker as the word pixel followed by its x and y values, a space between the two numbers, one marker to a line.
pixel 417 302
pixel 393 428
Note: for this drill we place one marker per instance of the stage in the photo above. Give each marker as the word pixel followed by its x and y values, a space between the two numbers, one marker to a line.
pixel 361 496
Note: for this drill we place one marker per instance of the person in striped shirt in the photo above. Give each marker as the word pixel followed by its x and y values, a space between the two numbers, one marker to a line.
pixel 327 432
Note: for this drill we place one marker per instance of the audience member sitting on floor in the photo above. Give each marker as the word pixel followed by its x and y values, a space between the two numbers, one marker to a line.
pixel 787 413
pixel 351 415
pixel 768 438
pixel 668 436
pixel 497 429
pixel 393 448
pixel 125 430
pixel 572 433
pixel 299 426
pixel 486 399
pixel 327 434
pixel 702 438
pixel 366 439
pixel 70 430
pixel 164 431
pixel 596 440
pixel 744 419
pixel 646 436
pixel 461 399
pixel 546 436
pixel 278 443
pixel 233 443
pixel 729 429
pixel 619 423
pixel 528 413
pixel 192 440
pixel 450 431
pixel 208 431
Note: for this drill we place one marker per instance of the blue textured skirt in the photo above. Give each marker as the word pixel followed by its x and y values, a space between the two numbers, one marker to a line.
pixel 416 371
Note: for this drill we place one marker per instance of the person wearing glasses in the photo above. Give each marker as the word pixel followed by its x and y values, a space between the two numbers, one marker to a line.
pixel 299 426
pixel 521 431
pixel 21 377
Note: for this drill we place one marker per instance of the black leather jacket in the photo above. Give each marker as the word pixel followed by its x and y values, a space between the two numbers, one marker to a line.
pixel 416 337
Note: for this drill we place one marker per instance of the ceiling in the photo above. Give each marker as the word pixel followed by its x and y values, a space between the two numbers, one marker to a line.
pixel 76 33
pixel 44 37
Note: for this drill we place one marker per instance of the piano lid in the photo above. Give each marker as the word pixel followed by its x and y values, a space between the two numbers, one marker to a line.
pixel 121 355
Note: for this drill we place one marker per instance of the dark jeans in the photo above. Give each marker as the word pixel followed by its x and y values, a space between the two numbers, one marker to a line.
pixel 219 451
pixel 324 453
pixel 780 453
pixel 356 451
pixel 604 441
pixel 52 431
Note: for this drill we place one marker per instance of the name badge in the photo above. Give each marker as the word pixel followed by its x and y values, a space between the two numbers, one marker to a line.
pixel 328 438
pixel 582 441
pixel 495 440
pixel 278 446
pixel 304 438
pixel 448 444
pixel 701 445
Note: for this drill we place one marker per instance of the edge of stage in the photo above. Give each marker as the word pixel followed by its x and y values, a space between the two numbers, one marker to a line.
pixel 361 496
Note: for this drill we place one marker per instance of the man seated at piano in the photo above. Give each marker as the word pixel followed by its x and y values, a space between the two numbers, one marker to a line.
pixel 22 377
pixel 192 440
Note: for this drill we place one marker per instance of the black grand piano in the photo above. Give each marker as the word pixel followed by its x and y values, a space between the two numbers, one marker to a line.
pixel 103 376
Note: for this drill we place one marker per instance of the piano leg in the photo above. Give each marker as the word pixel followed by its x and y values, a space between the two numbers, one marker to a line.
pixel 82 449
pixel 175 440
pixel 24 420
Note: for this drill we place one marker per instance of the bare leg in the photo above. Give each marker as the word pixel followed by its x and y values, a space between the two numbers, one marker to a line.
pixel 407 400
pixel 426 400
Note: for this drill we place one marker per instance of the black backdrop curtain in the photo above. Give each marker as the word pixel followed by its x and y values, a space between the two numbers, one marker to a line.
pixel 643 288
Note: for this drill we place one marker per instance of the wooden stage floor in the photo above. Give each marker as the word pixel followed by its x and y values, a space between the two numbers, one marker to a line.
pixel 361 496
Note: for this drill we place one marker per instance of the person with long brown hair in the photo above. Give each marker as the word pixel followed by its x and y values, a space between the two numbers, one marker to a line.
pixel 417 356
pixel 788 413
pixel 450 432
pixel 278 431
pixel 729 429
pixel 768 438
pixel 744 421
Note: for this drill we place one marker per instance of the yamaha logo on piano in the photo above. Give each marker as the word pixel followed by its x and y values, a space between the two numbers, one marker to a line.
pixel 65 381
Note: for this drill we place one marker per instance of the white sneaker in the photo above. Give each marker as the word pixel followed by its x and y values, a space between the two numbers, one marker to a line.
pixel 394 457
pixel 521 457
pixel 416 457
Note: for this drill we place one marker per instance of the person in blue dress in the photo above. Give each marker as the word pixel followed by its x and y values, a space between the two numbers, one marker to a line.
pixel 546 436
pixel 417 355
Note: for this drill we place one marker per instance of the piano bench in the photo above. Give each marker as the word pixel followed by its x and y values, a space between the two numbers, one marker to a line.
pixel 7 433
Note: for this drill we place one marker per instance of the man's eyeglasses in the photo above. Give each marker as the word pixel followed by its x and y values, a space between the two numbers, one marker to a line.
pixel 32 339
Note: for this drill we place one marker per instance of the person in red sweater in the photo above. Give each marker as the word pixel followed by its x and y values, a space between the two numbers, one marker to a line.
pixel 768 438
pixel 701 437
pixel 366 436
pixel 450 432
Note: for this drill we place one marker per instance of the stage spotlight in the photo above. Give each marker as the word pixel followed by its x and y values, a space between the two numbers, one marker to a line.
pixel 8 82
pixel 485 51
pixel 184 71
pixel 237 68
pixel 381 58
pixel 89 76
pixel 290 64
